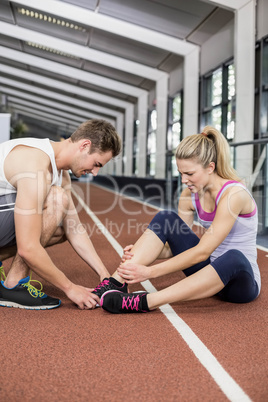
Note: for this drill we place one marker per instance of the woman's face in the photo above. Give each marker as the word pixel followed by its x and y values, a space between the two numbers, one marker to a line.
pixel 194 175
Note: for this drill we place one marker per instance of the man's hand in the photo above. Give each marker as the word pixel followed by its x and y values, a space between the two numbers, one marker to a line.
pixel 82 297
pixel 133 273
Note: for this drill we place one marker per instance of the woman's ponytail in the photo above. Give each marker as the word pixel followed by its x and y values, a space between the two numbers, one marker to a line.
pixel 209 146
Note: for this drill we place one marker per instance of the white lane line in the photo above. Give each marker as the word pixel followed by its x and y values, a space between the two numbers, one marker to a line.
pixel 226 383
pixel 262 248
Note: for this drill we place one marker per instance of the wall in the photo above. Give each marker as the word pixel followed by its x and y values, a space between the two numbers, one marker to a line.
pixel 262 20
pixel 176 80
pixel 213 54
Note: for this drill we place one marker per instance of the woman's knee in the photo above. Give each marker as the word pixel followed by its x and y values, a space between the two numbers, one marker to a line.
pixel 235 257
pixel 162 221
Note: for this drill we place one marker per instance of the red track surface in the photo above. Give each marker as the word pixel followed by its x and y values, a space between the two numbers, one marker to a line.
pixel 71 355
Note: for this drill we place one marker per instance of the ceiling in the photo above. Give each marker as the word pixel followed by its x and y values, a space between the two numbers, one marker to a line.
pixel 57 69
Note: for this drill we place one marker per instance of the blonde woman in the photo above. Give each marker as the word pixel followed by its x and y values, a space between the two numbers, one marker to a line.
pixel 223 262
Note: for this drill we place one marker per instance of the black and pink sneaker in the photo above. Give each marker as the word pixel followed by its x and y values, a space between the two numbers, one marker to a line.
pixel 109 284
pixel 122 303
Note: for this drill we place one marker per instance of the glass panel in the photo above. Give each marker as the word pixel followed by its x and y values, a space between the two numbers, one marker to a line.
pixel 265 64
pixel 151 145
pixel 264 113
pixel 153 120
pixel 174 167
pixel 169 138
pixel 208 91
pixel 176 133
pixel 231 81
pixel 152 164
pixel 207 119
pixel 176 108
pixel 230 121
pixel 217 87
pixel 216 118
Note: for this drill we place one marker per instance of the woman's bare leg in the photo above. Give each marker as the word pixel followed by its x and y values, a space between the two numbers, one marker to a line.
pixel 146 250
pixel 202 284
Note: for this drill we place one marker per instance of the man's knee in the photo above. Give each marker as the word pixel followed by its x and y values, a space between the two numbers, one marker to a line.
pixel 58 237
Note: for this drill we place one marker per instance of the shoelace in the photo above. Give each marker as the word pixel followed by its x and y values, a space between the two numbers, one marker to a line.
pixel 104 283
pixel 2 272
pixel 131 302
pixel 32 290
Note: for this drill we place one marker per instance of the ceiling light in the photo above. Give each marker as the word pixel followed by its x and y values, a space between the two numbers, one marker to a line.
pixel 48 18
pixel 51 50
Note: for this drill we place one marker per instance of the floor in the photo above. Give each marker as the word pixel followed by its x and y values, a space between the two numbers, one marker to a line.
pixel 205 350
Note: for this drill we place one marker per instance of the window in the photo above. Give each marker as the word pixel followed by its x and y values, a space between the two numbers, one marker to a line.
pixel 135 148
pixel 174 132
pixel 151 144
pixel 263 90
pixel 218 100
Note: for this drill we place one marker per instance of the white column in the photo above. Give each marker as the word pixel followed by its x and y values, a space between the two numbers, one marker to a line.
pixel 190 93
pixel 118 159
pixel 5 127
pixel 129 123
pixel 245 85
pixel 142 135
pixel 161 132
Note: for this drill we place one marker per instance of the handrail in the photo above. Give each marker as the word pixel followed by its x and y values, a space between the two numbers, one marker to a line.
pixel 254 142
pixel 261 162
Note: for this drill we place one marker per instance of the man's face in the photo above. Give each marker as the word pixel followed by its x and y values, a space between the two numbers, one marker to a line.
pixel 85 162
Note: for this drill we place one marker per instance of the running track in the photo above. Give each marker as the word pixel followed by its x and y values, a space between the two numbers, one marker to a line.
pixel 203 350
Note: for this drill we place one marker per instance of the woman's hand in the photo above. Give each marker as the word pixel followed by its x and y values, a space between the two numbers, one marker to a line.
pixel 133 273
pixel 127 253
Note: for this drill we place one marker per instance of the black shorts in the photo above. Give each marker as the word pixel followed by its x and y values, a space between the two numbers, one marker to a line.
pixel 7 224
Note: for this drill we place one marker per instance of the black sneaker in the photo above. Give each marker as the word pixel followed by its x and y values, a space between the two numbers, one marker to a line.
pixel 118 302
pixel 25 295
pixel 108 284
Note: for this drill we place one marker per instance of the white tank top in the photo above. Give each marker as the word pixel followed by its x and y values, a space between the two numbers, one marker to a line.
pixel 243 234
pixel 42 144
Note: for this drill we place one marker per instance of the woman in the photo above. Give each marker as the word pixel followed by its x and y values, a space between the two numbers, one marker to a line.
pixel 222 262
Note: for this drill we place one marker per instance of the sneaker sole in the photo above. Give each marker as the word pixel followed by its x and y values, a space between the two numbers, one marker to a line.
pixel 16 305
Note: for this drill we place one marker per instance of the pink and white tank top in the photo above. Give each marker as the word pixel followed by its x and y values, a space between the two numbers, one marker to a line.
pixel 243 234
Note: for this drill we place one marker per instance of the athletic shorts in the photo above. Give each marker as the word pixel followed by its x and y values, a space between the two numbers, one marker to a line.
pixel 7 225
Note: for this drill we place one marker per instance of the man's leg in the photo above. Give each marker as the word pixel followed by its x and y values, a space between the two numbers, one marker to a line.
pixel 55 209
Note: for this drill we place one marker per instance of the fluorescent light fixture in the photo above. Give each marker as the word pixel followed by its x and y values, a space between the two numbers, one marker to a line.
pixel 49 49
pixel 50 19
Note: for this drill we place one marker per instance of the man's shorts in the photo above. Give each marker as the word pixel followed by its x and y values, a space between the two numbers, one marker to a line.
pixel 7 224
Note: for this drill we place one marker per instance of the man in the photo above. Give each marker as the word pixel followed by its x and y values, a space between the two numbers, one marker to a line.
pixel 37 210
